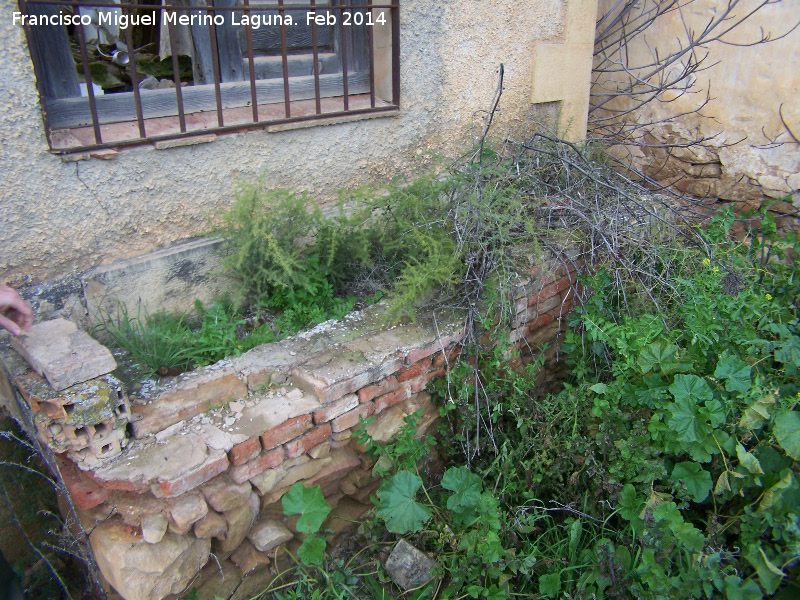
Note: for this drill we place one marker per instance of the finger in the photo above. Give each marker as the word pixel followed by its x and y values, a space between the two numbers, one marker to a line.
pixel 10 325
pixel 23 315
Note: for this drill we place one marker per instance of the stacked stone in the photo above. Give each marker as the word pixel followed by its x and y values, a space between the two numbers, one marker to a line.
pixel 213 451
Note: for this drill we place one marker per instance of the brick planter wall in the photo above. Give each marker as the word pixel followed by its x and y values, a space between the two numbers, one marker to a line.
pixel 199 465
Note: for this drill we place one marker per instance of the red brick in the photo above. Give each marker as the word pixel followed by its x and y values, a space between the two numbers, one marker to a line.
pixel 352 418
pixel 549 291
pixel 446 358
pixel 245 452
pixel 333 410
pixel 414 370
pixel 443 341
pixel 541 321
pixel 327 389
pixel 389 384
pixel 288 431
pixel 393 398
pixel 120 485
pixel 418 384
pixel 194 478
pixel 417 355
pixel 85 492
pixel 265 461
pixel 302 444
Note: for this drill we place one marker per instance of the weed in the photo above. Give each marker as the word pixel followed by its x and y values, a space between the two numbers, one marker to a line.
pixel 155 341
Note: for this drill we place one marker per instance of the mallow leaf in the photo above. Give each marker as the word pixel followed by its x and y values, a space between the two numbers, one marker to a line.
pixel 397 504
pixel 309 503
pixel 695 479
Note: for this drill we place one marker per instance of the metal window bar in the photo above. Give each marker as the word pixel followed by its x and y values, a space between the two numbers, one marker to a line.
pixel 251 60
pixel 395 12
pixel 287 101
pixel 145 100
pixel 87 75
pixel 345 89
pixel 176 74
pixel 315 58
pixel 212 32
pixel 137 98
pixel 371 42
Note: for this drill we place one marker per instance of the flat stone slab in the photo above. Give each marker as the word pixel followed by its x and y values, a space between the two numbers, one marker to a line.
pixel 63 354
pixel 169 279
pixel 180 464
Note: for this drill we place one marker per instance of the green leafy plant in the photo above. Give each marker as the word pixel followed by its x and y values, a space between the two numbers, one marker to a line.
pixel 155 341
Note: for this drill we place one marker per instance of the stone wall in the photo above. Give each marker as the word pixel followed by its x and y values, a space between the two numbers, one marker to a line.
pixel 197 464
pixel 734 102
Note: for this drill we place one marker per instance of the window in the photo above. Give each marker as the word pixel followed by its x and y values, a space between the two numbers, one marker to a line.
pixel 118 73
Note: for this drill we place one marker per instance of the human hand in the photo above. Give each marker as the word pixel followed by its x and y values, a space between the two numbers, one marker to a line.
pixel 15 314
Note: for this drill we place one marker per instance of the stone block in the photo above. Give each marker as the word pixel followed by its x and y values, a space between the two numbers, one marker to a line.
pixel 248 558
pixel 268 534
pixel 169 469
pixel 215 438
pixel 316 436
pixel 408 567
pixel 285 432
pixel 336 408
pixel 364 493
pixel 239 521
pixel 266 481
pixel 539 322
pixel 63 354
pixel 442 341
pixel 269 362
pixel 210 526
pixel 335 444
pixel 544 334
pixel 193 393
pixel 222 493
pixel 334 374
pixel 154 527
pixel 342 461
pixel 320 451
pixel 270 411
pixel 385 426
pixel 301 472
pixel 265 461
pixel 352 418
pixel 185 510
pixel 216 463
pixel 141 571
pixel 360 477
pixel 345 516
